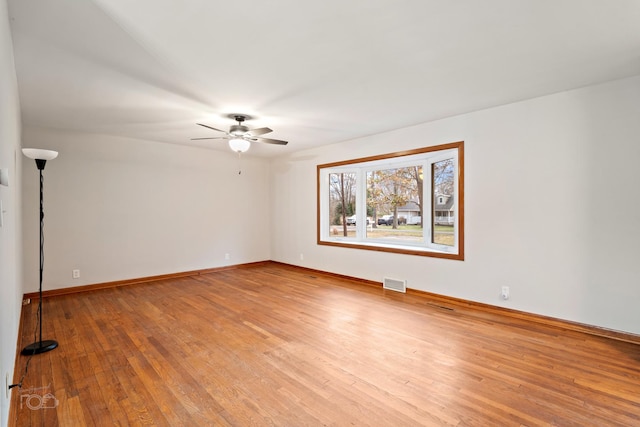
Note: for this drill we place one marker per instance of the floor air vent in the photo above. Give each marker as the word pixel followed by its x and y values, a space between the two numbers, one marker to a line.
pixel 394 284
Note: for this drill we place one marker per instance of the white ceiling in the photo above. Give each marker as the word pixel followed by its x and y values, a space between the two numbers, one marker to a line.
pixel 316 72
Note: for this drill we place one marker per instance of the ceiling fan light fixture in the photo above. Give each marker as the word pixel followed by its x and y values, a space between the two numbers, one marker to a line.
pixel 239 145
pixel 240 136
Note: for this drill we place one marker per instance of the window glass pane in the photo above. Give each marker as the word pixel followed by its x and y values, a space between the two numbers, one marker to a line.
pixel 342 204
pixel 444 203
pixel 394 203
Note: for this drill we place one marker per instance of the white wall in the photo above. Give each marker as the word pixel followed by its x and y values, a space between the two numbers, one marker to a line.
pixel 562 169
pixel 119 208
pixel 10 247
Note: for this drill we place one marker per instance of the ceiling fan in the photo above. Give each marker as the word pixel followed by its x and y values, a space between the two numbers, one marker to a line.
pixel 240 136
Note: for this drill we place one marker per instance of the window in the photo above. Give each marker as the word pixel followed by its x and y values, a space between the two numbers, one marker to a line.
pixel 409 202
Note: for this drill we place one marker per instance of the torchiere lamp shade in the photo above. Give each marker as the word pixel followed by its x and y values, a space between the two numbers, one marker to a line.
pixel 39 154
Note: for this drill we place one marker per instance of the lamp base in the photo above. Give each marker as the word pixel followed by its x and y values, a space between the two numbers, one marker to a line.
pixel 39 347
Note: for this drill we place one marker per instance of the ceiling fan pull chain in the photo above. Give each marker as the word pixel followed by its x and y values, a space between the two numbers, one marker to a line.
pixel 239 163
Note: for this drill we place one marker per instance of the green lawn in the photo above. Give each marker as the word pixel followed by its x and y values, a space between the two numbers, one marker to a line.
pixel 443 235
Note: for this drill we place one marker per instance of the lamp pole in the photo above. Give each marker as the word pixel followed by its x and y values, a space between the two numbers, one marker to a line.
pixel 41 157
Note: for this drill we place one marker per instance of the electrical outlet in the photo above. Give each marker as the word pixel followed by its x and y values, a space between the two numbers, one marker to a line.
pixel 75 274
pixel 505 293
pixel 227 257
pixel 301 257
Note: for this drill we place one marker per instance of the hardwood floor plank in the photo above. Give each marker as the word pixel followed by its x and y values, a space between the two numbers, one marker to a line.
pixel 70 412
pixel 273 345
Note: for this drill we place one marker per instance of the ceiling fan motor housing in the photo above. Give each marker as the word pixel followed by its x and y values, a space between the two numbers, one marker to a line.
pixel 238 130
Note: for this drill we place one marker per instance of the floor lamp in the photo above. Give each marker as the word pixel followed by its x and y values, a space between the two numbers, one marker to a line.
pixel 41 157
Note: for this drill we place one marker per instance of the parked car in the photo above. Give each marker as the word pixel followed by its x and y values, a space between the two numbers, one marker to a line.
pixel 351 220
pixel 384 220
pixel 388 220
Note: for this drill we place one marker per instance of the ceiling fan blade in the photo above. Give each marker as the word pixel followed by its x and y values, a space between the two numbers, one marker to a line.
pixel 213 137
pixel 209 127
pixel 270 141
pixel 259 131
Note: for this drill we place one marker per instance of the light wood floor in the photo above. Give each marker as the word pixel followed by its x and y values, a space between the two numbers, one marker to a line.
pixel 276 345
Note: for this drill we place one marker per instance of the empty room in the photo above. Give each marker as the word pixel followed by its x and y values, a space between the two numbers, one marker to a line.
pixel 367 213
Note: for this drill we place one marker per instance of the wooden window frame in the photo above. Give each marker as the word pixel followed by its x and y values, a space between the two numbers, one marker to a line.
pixel 323 237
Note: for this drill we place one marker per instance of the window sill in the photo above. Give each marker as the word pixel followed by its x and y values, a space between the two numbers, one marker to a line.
pixel 395 248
